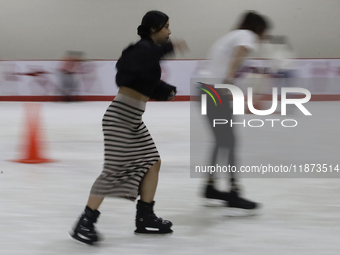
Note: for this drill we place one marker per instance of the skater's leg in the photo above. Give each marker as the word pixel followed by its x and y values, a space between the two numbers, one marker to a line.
pixel 224 140
pixel 210 190
pixel 84 231
pixel 232 161
pixel 149 183
pixel 148 223
pixel 94 202
pixel 234 199
pixel 211 179
pixel 145 216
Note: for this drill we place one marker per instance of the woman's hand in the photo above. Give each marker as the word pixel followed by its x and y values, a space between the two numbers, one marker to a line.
pixel 180 45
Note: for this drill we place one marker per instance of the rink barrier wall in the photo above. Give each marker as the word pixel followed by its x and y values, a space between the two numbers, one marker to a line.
pixel 110 98
pixel 39 80
pixel 74 98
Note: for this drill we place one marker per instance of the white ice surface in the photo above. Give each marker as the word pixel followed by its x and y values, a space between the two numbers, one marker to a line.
pixel 40 203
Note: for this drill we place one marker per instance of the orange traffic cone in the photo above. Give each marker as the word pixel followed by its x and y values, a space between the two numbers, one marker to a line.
pixel 32 147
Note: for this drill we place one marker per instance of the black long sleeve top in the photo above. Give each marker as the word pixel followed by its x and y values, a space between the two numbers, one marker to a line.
pixel 138 68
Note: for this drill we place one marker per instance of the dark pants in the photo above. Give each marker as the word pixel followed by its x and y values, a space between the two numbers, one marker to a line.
pixel 223 134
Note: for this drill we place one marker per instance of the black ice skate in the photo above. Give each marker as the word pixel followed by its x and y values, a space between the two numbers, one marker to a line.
pixel 84 231
pixel 215 198
pixel 235 201
pixel 230 199
pixel 148 223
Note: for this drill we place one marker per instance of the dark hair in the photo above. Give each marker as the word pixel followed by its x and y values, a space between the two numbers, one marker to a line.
pixel 152 19
pixel 254 22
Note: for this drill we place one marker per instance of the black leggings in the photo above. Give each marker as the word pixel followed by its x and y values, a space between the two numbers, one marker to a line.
pixel 224 134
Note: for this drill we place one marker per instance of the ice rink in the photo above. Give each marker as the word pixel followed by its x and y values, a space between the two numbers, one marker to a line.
pixel 40 203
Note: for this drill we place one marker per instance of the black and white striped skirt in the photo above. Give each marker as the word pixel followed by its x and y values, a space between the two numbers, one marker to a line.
pixel 129 149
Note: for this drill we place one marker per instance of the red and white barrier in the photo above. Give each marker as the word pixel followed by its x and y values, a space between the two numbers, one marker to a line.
pixel 40 80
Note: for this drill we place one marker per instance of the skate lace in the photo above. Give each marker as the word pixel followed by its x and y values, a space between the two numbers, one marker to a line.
pixel 154 217
pixel 91 227
pixel 87 224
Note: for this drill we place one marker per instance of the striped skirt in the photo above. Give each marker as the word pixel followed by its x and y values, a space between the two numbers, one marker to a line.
pixel 129 150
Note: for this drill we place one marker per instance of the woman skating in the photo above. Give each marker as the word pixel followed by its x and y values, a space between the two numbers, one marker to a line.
pixel 132 161
pixel 226 57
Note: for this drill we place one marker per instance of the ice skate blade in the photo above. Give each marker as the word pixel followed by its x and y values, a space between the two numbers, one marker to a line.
pixel 82 240
pixel 238 212
pixel 152 232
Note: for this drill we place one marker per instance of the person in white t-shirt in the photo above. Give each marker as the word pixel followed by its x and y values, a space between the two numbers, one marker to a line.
pixel 226 57
pixel 227 53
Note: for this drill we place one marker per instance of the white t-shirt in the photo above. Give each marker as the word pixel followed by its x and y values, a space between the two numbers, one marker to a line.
pixel 222 50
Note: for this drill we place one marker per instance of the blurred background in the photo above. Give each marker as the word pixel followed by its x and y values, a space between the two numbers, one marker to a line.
pixel 38 29
pixel 53 52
